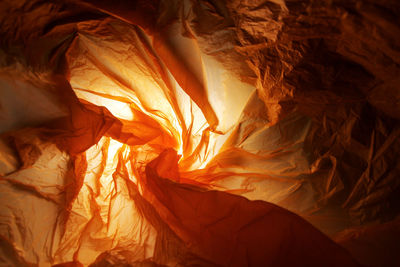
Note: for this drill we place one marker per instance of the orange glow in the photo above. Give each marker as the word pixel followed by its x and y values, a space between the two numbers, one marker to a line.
pixel 123 86
pixel 139 135
pixel 104 208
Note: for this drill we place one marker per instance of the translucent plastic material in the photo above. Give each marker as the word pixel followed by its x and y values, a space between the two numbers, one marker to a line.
pixel 127 138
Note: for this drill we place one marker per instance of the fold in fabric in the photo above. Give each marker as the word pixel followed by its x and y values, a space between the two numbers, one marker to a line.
pixel 193 133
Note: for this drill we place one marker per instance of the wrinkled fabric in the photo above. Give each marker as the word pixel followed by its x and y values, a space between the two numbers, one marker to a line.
pixel 207 133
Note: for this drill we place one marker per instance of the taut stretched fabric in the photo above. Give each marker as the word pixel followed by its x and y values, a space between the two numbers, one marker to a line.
pixel 199 133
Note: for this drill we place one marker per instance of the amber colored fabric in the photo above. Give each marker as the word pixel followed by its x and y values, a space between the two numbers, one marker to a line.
pixel 230 230
pixel 198 133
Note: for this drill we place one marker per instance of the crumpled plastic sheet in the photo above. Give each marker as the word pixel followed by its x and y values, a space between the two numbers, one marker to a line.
pixel 181 133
